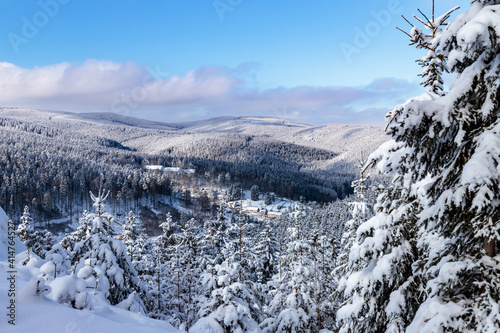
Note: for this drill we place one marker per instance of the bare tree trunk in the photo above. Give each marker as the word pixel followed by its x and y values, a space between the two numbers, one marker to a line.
pixel 316 287
pixel 159 283
pixel 489 246
pixel 490 243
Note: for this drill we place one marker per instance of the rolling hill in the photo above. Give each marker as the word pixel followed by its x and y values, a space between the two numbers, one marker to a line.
pixel 276 154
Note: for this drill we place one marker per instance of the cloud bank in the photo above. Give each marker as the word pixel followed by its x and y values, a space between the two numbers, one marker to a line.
pixel 136 90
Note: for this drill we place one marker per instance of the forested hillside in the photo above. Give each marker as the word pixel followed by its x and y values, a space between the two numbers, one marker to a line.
pixel 51 160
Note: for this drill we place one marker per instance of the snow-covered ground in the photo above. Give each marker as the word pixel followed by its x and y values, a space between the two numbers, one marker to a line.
pixel 32 313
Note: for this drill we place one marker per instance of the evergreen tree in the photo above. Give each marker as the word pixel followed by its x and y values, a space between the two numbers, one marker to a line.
pixel 102 260
pixel 31 238
pixel 46 241
pixel 143 257
pixel 267 251
pixel 140 251
pixel 58 263
pixel 434 62
pixel 25 230
pixel 212 242
pixel 379 261
pixel 324 260
pixel 293 307
pixel 82 231
pixel 144 263
pixel 189 267
pixel 229 306
pixel 360 211
pixel 428 260
pixel 268 199
pixel 132 229
pixel 166 258
pixel 167 238
pixel 228 299
pixel 461 205
pixel 254 193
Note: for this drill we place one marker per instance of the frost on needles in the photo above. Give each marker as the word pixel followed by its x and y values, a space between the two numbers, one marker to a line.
pixel 428 260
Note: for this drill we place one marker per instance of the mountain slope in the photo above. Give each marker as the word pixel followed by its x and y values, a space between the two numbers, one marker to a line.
pixel 339 138
pixel 278 155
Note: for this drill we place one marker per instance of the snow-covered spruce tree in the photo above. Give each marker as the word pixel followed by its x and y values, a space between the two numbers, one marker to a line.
pixel 361 211
pixel 460 133
pixel 82 231
pixel 140 251
pixel 266 262
pixel 382 252
pixel 46 242
pixel 241 255
pixel 376 270
pixel 238 250
pixel 139 247
pixel 324 256
pixel 36 242
pixel 229 306
pixel 166 279
pixel 293 307
pixel 254 193
pixel 58 262
pixel 102 260
pixel 161 287
pixel 267 251
pixel 380 259
pixel 132 229
pixel 189 268
pixel 211 244
pixel 444 158
pixel 144 263
pixel 167 238
pixel 212 240
pixel 434 62
pixel 228 302
pixel 25 231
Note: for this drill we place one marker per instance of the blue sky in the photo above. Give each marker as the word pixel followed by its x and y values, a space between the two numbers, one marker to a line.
pixel 317 61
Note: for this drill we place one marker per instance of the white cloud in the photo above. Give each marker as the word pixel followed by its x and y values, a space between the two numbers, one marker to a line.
pixel 211 91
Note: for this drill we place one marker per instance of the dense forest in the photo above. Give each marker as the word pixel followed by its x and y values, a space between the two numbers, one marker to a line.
pixel 51 169
pixel 194 266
